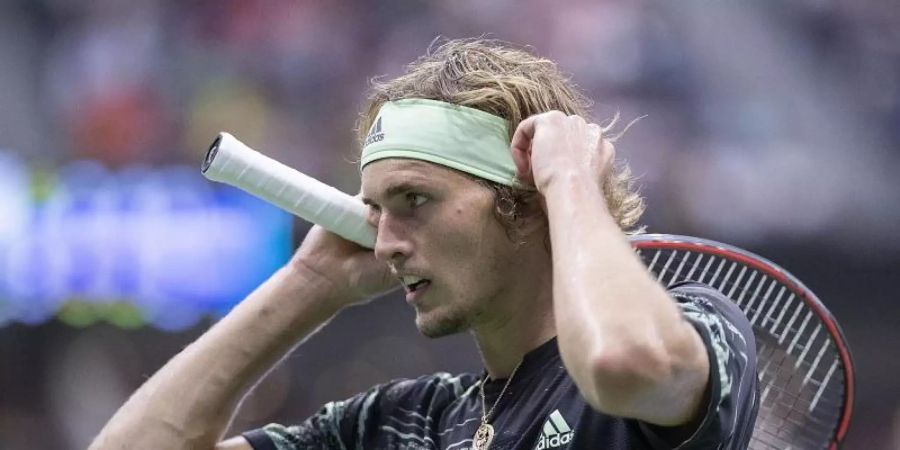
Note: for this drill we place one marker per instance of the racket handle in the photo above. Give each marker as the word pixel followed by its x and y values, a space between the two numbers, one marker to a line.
pixel 230 161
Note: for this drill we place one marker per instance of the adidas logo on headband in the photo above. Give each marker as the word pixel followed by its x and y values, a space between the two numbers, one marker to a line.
pixel 454 136
pixel 375 134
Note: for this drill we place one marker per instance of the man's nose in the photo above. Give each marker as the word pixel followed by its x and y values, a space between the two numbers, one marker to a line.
pixel 392 243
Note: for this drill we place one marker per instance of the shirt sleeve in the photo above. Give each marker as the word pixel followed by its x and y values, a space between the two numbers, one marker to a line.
pixel 357 422
pixel 733 389
pixel 338 425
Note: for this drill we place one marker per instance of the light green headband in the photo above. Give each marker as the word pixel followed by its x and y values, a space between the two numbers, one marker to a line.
pixel 454 136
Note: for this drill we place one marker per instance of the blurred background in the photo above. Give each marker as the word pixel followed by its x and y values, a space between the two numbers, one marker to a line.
pixel 774 126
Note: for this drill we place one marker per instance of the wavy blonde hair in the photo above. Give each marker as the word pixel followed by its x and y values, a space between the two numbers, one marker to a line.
pixel 511 83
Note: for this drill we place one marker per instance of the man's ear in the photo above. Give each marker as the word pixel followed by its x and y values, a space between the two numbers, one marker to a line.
pixel 531 217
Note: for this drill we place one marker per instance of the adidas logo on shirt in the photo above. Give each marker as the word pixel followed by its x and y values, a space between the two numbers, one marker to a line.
pixel 556 432
pixel 375 133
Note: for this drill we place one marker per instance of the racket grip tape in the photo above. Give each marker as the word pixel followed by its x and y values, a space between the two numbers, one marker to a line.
pixel 230 161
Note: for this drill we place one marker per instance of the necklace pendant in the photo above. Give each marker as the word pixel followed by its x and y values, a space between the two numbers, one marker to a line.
pixel 483 437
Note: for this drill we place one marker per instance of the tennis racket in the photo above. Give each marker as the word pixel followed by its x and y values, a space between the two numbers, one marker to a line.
pixel 804 363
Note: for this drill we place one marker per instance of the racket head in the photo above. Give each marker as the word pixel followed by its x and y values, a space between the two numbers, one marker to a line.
pixel 806 375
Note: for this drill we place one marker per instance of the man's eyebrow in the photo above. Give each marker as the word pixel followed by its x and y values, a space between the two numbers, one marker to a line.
pixel 395 190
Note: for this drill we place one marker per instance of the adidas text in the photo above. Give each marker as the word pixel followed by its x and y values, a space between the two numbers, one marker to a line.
pixel 555 441
pixel 372 138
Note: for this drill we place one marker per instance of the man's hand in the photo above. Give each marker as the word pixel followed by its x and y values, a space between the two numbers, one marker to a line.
pixel 352 272
pixel 549 146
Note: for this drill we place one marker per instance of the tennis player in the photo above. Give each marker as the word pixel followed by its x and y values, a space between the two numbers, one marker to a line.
pixel 500 211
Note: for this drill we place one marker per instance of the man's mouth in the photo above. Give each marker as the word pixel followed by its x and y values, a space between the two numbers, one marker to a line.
pixel 413 283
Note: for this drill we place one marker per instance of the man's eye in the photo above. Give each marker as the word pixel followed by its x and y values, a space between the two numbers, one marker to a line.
pixel 374 212
pixel 416 200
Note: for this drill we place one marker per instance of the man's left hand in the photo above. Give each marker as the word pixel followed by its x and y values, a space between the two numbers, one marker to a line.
pixel 550 146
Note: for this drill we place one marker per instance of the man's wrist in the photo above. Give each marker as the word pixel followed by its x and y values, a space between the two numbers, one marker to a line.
pixel 310 286
pixel 574 188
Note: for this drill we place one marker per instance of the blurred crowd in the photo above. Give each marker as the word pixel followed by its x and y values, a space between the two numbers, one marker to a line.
pixel 768 125
pixel 805 93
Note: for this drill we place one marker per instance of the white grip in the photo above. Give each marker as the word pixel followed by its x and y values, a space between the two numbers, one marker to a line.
pixel 231 162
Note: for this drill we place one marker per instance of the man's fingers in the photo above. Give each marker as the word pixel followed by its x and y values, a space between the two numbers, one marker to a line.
pixel 524 133
pixel 521 150
pixel 561 128
pixel 522 159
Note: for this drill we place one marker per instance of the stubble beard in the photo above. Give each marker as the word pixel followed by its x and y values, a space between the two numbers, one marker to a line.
pixel 456 316
pixel 461 315
pixel 447 323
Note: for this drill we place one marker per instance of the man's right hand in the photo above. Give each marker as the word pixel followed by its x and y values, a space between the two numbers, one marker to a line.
pixel 351 271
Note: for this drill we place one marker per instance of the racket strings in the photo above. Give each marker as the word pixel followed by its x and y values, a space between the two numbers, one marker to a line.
pixel 801 390
pixel 785 395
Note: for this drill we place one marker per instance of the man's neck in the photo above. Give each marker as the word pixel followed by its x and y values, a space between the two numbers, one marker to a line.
pixel 525 324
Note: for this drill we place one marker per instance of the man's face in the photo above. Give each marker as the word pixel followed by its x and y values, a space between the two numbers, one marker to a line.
pixel 436 228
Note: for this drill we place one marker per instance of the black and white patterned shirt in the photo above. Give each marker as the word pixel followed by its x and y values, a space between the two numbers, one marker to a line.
pixel 542 408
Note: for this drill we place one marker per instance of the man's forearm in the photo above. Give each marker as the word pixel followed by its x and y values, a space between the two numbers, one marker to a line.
pixel 190 401
pixel 621 336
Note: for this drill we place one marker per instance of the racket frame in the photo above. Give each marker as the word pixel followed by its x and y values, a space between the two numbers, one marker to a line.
pixel 769 268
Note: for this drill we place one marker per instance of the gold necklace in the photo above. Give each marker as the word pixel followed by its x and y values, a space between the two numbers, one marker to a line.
pixel 485 434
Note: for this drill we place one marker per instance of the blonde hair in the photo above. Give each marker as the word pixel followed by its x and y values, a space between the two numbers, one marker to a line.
pixel 511 83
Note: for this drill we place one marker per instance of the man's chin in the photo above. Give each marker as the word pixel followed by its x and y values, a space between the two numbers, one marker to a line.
pixel 434 325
